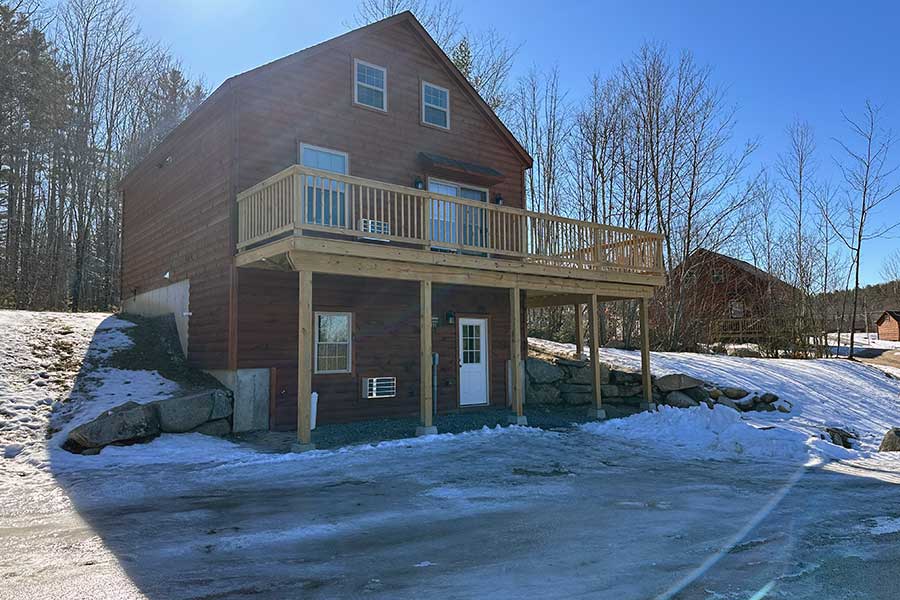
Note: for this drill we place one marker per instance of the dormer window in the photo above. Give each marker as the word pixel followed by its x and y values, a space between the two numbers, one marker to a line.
pixel 435 105
pixel 370 84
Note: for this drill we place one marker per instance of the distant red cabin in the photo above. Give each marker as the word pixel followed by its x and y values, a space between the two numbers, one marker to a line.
pixel 888 325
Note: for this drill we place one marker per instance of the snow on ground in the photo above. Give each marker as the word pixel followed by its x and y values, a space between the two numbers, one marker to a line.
pixel 862 341
pixel 544 511
pixel 52 376
pixel 824 392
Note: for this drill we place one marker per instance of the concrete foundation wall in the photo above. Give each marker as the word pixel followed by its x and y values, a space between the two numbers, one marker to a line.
pixel 171 299
pixel 250 388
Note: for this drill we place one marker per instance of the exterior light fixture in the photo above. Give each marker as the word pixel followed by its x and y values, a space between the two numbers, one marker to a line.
pixel 451 317
pixel 419 184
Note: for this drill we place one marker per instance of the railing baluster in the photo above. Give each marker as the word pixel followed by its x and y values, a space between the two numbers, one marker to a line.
pixel 308 198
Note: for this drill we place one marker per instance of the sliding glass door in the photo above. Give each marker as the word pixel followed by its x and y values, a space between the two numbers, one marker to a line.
pixel 325 198
pixel 452 223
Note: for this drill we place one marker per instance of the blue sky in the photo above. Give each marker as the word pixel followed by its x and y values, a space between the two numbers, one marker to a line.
pixel 779 60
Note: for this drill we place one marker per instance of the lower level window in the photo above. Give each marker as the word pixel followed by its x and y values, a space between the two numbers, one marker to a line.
pixel 333 341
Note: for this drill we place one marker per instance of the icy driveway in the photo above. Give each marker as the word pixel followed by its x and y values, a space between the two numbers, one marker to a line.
pixel 506 514
pixel 489 514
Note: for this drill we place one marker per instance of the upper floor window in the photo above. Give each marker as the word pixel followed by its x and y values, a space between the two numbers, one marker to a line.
pixel 435 105
pixel 736 309
pixel 370 85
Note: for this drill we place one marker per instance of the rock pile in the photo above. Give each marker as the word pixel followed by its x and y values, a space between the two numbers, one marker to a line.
pixel 207 412
pixel 570 382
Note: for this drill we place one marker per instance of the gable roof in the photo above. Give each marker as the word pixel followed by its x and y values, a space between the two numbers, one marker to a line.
pixel 743 266
pixel 441 56
pixel 895 314
pixel 405 16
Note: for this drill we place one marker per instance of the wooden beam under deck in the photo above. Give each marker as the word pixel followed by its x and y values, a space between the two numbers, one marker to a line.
pixel 541 290
pixel 428 261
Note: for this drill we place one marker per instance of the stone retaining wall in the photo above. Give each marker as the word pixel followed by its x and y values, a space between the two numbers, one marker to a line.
pixel 565 381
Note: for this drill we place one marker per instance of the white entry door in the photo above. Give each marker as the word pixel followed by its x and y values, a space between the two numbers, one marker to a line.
pixel 473 362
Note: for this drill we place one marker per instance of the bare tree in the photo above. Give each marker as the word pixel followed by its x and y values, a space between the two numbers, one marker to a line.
pixel 484 57
pixel 441 19
pixel 890 270
pixel 870 181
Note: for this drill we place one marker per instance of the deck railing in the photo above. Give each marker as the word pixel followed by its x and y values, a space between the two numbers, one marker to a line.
pixel 300 199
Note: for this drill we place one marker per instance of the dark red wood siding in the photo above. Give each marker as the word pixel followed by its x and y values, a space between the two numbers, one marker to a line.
pixel 385 341
pixel 309 99
pixel 177 218
pixel 889 329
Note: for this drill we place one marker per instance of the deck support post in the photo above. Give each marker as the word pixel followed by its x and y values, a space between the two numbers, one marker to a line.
pixel 515 357
pixel 426 399
pixel 304 361
pixel 579 332
pixel 646 381
pixel 596 411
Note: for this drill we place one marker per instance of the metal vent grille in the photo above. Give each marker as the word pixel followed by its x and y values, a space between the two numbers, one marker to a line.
pixel 375 227
pixel 379 387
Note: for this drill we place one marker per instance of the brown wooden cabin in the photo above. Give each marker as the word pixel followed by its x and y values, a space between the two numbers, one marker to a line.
pixel 359 206
pixel 728 299
pixel 888 325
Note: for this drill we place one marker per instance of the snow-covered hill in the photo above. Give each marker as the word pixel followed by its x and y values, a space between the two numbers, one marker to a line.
pixel 824 393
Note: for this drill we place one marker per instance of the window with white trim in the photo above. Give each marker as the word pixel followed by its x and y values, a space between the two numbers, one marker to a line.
pixel 333 342
pixel 370 84
pixel 435 105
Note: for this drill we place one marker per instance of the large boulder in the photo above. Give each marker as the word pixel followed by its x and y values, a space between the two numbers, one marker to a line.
pixel 680 400
pixel 841 437
pixel 185 413
pixel 624 377
pixel 726 401
pixel 891 441
pixel 217 428
pixel 573 363
pixel 735 393
pixel 697 393
pixel 542 394
pixel 577 388
pixel 128 423
pixel 676 382
pixel 586 374
pixel 541 371
pixel 577 398
pixel 223 405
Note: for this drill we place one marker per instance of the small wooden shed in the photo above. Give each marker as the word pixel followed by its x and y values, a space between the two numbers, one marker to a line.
pixel 888 325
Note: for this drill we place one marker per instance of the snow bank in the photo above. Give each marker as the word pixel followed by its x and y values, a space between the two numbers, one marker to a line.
pixel 699 432
pixel 824 392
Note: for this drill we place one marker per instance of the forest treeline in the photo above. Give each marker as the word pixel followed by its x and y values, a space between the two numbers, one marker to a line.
pixel 649 145
pixel 83 96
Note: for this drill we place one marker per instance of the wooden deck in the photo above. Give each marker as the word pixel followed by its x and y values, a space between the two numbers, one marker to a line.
pixel 308 211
